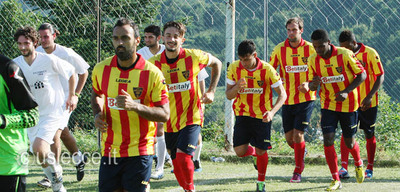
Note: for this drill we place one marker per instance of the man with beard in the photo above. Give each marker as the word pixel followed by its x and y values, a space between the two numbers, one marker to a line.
pixel 43 72
pixel 128 94
pixel 180 68
pixel 290 57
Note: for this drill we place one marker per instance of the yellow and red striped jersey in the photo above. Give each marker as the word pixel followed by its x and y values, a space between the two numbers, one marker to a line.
pixel 128 134
pixel 292 63
pixel 336 73
pixel 256 98
pixel 183 87
pixel 371 61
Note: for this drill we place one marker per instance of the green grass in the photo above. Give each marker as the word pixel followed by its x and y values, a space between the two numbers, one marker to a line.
pixel 239 176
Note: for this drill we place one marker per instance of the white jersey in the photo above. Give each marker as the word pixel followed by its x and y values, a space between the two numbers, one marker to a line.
pixel 146 53
pixel 43 77
pixel 67 54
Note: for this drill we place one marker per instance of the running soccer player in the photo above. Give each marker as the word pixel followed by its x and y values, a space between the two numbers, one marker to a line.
pixel 339 73
pixel 290 57
pixel 48 34
pixel 43 72
pixel 181 68
pixel 129 93
pixel 18 110
pixel 250 82
pixel 368 91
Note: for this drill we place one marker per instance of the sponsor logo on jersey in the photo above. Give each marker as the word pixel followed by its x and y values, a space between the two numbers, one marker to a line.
pixel 295 55
pixel 250 77
pixel 251 91
pixel 296 69
pixel 39 72
pixel 179 87
pixel 138 91
pixel 173 70
pixel 332 79
pixel 111 103
pixel 328 65
pixel 120 80
pixel 186 74
pixel 38 85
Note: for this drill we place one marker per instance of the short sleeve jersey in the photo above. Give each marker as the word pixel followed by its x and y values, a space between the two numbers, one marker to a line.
pixel 292 66
pixel 43 77
pixel 336 73
pixel 183 87
pixel 146 53
pixel 256 98
pixel 128 134
pixel 14 96
pixel 71 57
pixel 372 64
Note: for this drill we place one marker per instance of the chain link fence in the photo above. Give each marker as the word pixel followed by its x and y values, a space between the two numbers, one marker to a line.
pixel 375 23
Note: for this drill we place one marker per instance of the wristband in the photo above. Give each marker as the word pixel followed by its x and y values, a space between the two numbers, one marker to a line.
pixel 78 95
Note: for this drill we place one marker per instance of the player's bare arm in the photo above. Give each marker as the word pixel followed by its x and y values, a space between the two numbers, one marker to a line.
pixel 304 87
pixel 156 113
pixel 97 102
pixel 81 82
pixel 216 65
pixel 72 100
pixel 269 115
pixel 342 95
pixel 233 90
pixel 313 85
pixel 366 103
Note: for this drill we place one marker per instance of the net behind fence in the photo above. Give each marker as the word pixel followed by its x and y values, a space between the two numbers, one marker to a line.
pixel 375 23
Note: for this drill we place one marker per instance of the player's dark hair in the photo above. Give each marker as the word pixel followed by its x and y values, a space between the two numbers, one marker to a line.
pixel 180 26
pixel 50 27
pixel 27 32
pixel 347 35
pixel 156 30
pixel 246 47
pixel 320 35
pixel 295 20
pixel 124 21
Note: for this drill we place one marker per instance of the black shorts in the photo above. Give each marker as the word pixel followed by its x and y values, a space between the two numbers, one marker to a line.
pixel 348 122
pixel 185 139
pixel 13 183
pixel 128 173
pixel 252 130
pixel 297 116
pixel 367 119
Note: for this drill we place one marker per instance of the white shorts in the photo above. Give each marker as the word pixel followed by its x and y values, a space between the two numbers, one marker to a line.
pixel 65 119
pixel 45 129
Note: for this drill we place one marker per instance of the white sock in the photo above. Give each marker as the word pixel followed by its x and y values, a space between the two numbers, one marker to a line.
pixel 53 171
pixel 77 157
pixel 161 151
pixel 196 156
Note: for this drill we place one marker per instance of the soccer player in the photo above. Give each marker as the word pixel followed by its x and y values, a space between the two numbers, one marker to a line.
pixel 250 82
pixel 129 93
pixel 47 37
pixel 181 68
pixel 18 110
pixel 339 73
pixel 368 91
pixel 43 72
pixel 290 57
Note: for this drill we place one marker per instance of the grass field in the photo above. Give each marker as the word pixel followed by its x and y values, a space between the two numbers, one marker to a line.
pixel 239 176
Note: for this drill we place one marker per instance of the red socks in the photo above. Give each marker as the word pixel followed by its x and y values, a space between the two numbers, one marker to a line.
pixel 371 148
pixel 344 153
pixel 331 159
pixel 355 152
pixel 250 151
pixel 262 163
pixel 299 149
pixel 183 170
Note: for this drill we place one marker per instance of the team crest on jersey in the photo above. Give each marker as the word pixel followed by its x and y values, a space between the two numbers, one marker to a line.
pixel 260 83
pixel 304 59
pixel 138 91
pixel 339 69
pixel 186 74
